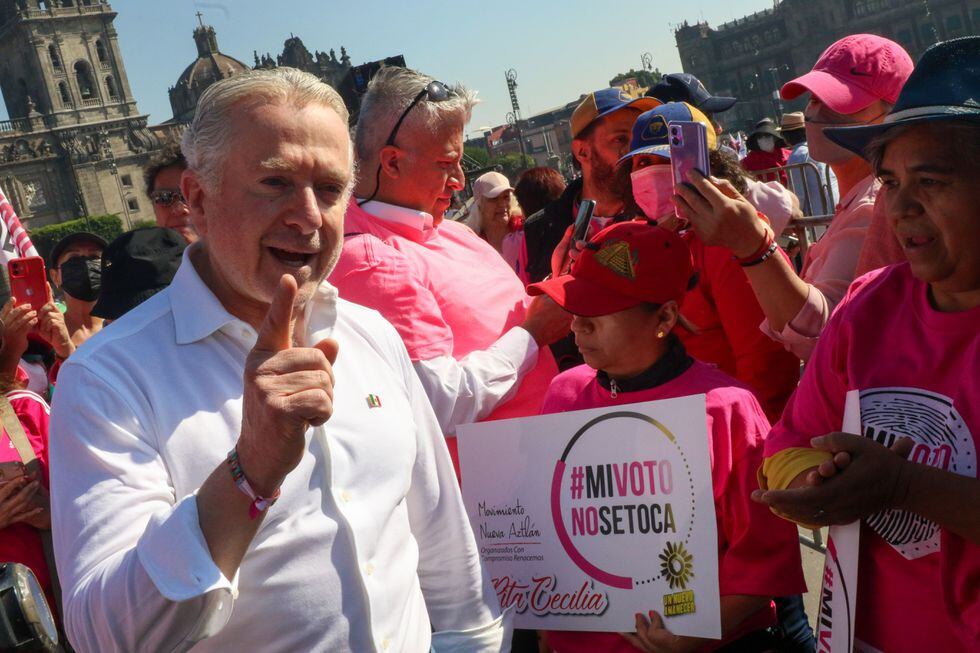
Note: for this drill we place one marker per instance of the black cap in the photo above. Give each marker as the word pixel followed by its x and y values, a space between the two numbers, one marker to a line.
pixel 69 240
pixel 136 266
pixel 685 87
pixel 944 85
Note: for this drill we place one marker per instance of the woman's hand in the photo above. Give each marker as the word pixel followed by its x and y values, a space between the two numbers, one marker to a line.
pixel 52 327
pixel 862 478
pixel 566 253
pixel 719 214
pixel 16 503
pixel 652 636
pixel 18 320
pixel 40 515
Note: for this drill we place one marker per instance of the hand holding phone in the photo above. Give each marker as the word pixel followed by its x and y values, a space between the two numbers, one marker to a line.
pixel 28 284
pixel 688 149
pixel 584 218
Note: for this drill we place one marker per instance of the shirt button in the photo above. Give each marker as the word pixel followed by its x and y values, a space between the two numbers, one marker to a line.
pixel 345 496
pixel 385 644
pixel 369 569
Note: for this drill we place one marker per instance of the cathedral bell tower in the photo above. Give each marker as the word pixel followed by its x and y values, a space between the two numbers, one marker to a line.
pixel 75 141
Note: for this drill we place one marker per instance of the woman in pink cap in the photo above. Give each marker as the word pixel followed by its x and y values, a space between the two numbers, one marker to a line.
pixel 624 291
pixel 496 216
pixel 855 82
pixel 906 338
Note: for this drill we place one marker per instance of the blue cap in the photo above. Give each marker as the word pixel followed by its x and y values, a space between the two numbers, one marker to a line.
pixel 945 85
pixel 685 87
pixel 650 129
pixel 602 103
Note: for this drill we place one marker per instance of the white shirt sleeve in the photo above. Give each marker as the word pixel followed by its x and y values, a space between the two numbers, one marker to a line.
pixel 135 570
pixel 459 595
pixel 467 390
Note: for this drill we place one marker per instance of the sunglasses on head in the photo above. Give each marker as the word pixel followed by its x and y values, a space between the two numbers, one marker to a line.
pixel 434 92
pixel 166 197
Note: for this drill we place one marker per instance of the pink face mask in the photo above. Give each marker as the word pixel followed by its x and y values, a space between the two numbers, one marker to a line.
pixel 653 187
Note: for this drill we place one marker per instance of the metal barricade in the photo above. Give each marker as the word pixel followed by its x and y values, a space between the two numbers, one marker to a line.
pixel 813 541
pixel 810 227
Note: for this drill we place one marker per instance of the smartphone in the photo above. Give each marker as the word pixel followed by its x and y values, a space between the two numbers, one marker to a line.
pixel 27 282
pixel 688 149
pixel 583 219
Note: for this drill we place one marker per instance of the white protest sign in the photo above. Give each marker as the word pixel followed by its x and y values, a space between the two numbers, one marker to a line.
pixel 838 593
pixel 585 518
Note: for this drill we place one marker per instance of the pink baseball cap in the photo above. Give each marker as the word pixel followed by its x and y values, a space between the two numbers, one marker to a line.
pixel 854 72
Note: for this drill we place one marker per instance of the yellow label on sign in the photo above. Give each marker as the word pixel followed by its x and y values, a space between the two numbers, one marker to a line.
pixel 679 603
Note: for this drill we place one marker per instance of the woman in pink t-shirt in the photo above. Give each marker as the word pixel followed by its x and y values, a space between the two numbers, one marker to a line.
pixel 907 338
pixel 24 505
pixel 624 290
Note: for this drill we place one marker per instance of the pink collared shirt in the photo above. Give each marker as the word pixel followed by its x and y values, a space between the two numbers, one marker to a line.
pixel 457 306
pixel 829 269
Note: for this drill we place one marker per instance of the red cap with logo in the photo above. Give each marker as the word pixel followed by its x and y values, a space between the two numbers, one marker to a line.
pixel 854 72
pixel 625 265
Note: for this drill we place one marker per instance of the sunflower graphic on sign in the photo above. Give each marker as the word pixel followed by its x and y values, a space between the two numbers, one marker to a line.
pixel 676 565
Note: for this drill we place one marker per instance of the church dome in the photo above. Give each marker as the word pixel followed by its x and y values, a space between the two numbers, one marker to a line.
pixel 207 70
pixel 209 67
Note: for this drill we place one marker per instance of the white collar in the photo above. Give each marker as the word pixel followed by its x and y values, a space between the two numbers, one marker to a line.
pixel 399 215
pixel 198 312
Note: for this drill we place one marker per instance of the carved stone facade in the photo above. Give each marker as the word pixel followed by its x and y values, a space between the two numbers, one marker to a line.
pixel 75 143
pixel 212 65
pixel 754 56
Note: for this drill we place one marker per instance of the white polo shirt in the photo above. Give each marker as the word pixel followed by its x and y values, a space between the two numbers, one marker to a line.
pixel 368 542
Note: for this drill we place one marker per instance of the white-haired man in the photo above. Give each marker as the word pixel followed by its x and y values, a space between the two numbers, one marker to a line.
pixel 462 312
pixel 166 465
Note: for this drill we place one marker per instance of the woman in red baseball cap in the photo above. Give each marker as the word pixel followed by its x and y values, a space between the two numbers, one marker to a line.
pixel 624 291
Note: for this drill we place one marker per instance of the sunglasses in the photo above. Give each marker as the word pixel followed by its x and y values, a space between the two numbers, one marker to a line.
pixel 434 92
pixel 166 197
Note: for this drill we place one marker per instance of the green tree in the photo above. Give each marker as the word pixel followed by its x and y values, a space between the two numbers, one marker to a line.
pixel 44 238
pixel 478 154
pixel 143 224
pixel 512 165
pixel 643 77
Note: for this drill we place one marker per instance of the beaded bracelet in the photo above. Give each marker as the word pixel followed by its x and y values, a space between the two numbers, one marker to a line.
pixel 759 251
pixel 259 504
pixel 762 259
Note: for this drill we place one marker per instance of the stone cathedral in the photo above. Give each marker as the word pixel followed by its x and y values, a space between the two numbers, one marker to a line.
pixel 75 143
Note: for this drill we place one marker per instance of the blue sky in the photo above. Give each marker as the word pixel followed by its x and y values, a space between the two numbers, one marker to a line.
pixel 559 48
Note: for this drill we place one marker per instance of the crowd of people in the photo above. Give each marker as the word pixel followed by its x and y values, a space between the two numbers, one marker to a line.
pixel 251 444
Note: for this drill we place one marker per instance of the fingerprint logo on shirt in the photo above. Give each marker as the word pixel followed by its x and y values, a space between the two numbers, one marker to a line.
pixel 942 439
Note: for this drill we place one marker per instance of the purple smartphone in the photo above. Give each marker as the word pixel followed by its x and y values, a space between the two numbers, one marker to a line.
pixel 688 149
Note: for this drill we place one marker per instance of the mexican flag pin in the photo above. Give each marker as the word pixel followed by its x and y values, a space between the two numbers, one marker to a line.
pixel 373 401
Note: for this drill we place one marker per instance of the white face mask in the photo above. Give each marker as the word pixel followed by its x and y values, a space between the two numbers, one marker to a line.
pixel 653 187
pixel 766 143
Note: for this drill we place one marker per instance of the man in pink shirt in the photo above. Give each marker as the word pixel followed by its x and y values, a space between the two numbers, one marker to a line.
pixel 855 82
pixel 471 331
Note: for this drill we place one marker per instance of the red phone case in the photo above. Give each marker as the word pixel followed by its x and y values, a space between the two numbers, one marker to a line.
pixel 27 282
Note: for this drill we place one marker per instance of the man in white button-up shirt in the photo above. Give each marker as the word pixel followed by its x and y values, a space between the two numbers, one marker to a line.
pixel 158 547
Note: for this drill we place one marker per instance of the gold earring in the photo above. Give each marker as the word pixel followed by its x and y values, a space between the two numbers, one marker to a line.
pixel 660 334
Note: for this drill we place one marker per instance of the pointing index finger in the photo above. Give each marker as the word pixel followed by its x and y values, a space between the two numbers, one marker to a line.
pixel 276 332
